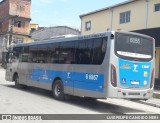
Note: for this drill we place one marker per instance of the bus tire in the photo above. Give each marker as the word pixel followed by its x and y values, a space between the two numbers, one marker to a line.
pixel 58 90
pixel 16 79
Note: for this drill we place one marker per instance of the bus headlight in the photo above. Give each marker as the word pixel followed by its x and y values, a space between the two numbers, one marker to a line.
pixel 113 76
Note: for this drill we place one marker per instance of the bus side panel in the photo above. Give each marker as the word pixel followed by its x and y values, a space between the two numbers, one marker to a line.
pixel 23 73
pixel 46 86
pixel 86 93
pixel 12 68
pixel 8 73
pixel 75 83
pixel 43 76
pixel 34 81
pixel 112 91
pixel 8 76
pixel 90 83
pixel 107 67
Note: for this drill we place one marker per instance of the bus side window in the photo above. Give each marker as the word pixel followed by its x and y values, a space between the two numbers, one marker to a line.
pixel 84 52
pixel 25 54
pixel 53 53
pixel 67 52
pixel 80 45
pixel 9 57
pixel 99 50
pixel 42 53
pixel 33 54
pixel 16 54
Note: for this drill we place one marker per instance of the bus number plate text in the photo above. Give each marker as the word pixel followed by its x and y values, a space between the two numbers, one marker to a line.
pixel 91 77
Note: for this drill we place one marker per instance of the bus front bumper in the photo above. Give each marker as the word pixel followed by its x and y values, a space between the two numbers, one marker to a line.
pixel 131 94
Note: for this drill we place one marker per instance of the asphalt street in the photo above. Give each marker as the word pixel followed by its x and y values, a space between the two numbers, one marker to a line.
pixel 38 101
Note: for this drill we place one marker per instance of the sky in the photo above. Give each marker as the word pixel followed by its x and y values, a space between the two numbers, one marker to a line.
pixel 65 12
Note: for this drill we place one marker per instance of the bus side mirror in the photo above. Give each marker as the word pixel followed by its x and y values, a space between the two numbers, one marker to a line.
pixel 9 57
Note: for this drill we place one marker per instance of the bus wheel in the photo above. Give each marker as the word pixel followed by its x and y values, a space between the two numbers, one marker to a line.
pixel 58 90
pixel 17 85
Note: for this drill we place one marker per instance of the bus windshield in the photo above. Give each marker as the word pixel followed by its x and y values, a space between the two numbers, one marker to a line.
pixel 133 47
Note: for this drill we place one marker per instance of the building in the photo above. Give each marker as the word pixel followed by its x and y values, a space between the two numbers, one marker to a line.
pixel 49 32
pixel 14 22
pixel 127 16
pixel 142 16
pixel 34 27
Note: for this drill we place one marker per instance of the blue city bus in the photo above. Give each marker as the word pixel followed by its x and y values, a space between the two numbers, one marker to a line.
pixel 103 65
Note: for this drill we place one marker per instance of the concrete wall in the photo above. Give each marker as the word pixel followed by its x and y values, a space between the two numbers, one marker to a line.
pixel 23 30
pixel 4 11
pixel 15 6
pixel 101 21
pixel 10 8
pixel 21 9
pixel 157 63
pixel 153 17
pixel 137 19
pixel 3 44
pixel 4 8
pixel 11 12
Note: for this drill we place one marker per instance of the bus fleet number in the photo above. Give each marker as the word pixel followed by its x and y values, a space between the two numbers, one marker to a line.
pixel 91 77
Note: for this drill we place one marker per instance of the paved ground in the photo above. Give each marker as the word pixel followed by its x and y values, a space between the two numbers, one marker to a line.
pixel 38 101
pixel 155 102
pixel 156 94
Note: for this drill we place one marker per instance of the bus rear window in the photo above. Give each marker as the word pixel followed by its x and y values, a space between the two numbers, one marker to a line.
pixel 133 47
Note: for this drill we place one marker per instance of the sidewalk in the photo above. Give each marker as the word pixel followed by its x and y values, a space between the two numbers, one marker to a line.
pixel 151 102
pixel 155 101
pixel 156 94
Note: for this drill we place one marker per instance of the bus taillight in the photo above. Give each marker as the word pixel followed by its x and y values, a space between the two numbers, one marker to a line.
pixel 113 76
pixel 152 79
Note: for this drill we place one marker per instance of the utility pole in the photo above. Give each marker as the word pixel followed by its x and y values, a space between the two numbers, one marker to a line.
pixel 11 29
pixel 10 35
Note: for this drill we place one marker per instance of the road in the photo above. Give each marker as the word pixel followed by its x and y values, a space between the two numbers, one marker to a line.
pixel 38 101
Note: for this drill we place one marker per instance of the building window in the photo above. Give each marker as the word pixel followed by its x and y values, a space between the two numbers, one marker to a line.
pixel 125 17
pixel 157 7
pixel 17 40
pixel 20 8
pixel 19 24
pixel 33 29
pixel 88 25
